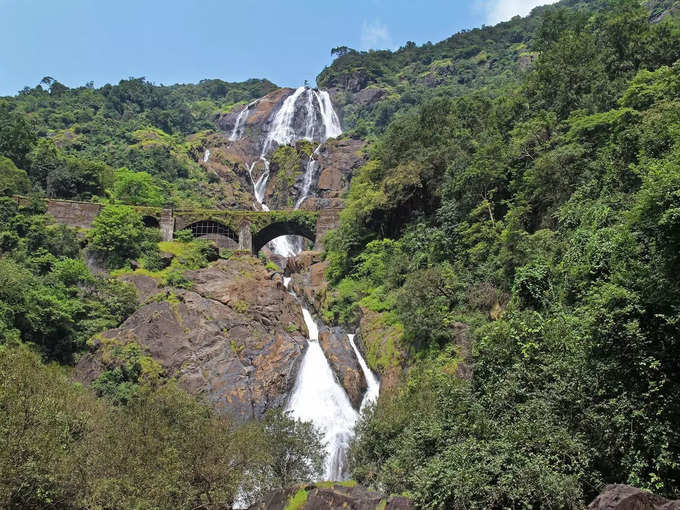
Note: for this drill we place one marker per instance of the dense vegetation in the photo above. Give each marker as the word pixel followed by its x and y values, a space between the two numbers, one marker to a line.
pixel 104 143
pixel 489 59
pixel 545 218
pixel 63 448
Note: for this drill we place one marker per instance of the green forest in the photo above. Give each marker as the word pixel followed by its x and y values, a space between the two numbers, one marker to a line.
pixel 544 217
pixel 514 236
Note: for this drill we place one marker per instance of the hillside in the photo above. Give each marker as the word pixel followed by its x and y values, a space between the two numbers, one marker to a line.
pixel 72 140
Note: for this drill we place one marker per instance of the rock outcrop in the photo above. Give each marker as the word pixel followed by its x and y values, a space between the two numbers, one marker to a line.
pixel 331 497
pixel 307 272
pixel 236 338
pixel 624 497
pixel 344 363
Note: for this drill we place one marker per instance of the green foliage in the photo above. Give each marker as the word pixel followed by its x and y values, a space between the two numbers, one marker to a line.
pixel 297 448
pixel 48 296
pixel 136 188
pixel 12 180
pixel 184 236
pixel 118 235
pixel 70 139
pixel 545 217
pixel 297 501
pixel 17 136
pixel 162 449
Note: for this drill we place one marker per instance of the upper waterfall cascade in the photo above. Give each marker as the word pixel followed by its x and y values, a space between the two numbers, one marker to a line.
pixel 320 123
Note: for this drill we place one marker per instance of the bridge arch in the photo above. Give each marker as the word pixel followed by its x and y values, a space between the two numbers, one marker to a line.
pixel 281 228
pixel 212 230
pixel 151 221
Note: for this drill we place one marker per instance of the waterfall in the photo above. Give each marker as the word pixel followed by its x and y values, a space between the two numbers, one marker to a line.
pixel 329 117
pixel 206 156
pixel 240 122
pixel 308 178
pixel 282 132
pixel 309 121
pixel 317 397
pixel 373 389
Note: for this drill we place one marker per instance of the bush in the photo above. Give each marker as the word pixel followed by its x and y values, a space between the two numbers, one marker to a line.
pixel 117 235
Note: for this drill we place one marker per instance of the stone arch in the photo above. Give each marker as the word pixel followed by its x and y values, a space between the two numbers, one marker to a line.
pixel 151 222
pixel 223 236
pixel 281 228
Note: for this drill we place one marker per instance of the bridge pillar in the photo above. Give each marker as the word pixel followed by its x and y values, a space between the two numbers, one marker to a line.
pixel 167 224
pixel 245 237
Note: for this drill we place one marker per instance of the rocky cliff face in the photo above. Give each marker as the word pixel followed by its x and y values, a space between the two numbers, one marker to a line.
pixel 335 163
pixel 236 338
pixel 246 133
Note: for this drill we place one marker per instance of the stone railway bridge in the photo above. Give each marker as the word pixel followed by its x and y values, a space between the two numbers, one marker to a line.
pixel 234 229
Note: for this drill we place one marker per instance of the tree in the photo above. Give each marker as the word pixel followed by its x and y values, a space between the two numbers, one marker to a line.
pixel 296 447
pixel 340 51
pixel 137 188
pixel 12 179
pixel 17 137
pixel 117 235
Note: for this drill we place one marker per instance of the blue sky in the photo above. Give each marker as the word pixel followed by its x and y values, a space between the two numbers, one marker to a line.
pixel 172 41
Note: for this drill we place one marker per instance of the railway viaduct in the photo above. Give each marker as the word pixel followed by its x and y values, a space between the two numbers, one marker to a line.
pixel 235 229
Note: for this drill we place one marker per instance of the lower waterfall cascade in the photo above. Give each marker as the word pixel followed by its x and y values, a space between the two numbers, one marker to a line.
pixel 318 397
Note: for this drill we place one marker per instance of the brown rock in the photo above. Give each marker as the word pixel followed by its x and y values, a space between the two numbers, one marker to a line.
pixel 146 286
pixel 318 272
pixel 344 363
pixel 338 162
pixel 624 497
pixel 335 497
pixel 302 261
pixel 236 338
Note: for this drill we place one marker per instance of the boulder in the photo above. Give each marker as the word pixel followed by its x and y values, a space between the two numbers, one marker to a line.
pixel 344 363
pixel 624 497
pixel 146 286
pixel 331 497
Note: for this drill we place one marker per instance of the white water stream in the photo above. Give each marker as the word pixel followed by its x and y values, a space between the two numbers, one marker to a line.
pixel 240 123
pixel 317 396
pixel 373 385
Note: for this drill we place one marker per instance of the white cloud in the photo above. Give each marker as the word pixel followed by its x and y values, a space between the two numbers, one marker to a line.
pixel 503 10
pixel 375 35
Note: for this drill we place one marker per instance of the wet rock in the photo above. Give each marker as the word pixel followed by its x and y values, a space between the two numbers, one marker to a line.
pixel 624 497
pixel 344 363
pixel 237 338
pixel 337 496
